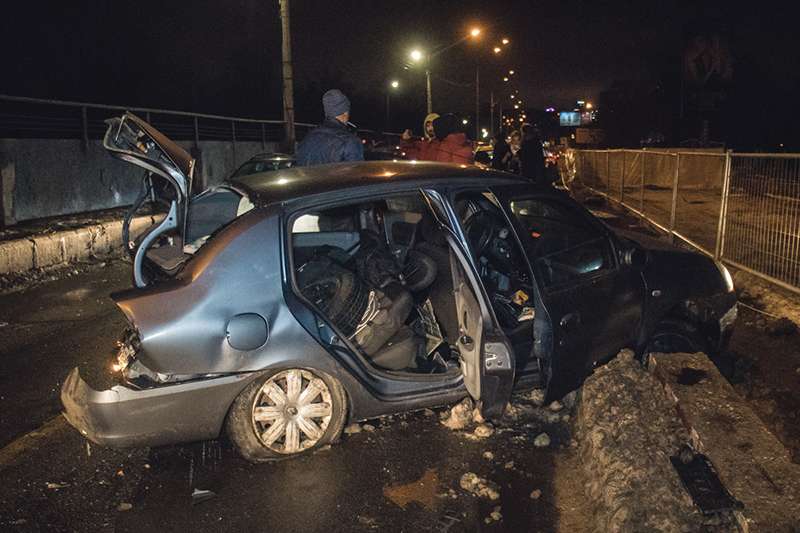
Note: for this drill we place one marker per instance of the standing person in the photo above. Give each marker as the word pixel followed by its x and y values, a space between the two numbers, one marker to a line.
pixel 451 144
pixel 531 155
pixel 501 151
pixel 515 140
pixel 334 140
pixel 419 148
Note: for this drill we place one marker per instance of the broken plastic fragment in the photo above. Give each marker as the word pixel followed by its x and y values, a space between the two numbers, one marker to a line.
pixel 199 496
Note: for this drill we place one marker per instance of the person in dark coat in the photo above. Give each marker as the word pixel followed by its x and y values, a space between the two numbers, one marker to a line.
pixel 531 155
pixel 501 151
pixel 334 140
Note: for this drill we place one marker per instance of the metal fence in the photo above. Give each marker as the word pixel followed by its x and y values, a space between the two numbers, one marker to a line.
pixel 740 208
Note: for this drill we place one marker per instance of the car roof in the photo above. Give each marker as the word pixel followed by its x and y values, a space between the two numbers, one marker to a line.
pixel 288 184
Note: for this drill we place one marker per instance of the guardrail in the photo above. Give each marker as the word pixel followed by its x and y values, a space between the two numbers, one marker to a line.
pixel 739 208
pixel 23 117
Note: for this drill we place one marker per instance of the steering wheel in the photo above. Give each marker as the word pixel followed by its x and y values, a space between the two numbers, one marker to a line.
pixel 480 229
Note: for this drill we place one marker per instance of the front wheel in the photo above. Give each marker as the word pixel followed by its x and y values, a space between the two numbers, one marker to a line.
pixel 286 413
pixel 676 336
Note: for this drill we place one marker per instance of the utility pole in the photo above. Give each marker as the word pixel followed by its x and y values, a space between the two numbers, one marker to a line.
pixel 288 86
pixel 491 114
pixel 428 88
pixel 477 102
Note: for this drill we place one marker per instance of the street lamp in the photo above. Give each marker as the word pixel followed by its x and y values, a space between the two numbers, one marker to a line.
pixel 505 41
pixel 588 105
pixel 393 85
pixel 510 72
pixel 497 49
pixel 475 32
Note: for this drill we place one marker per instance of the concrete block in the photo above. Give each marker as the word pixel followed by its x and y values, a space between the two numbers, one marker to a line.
pixel 140 224
pixel 108 238
pixel 752 463
pixel 16 256
pixel 48 250
pixel 77 244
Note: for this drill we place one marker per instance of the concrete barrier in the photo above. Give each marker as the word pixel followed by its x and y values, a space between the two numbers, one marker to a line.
pixel 751 462
pixel 42 178
pixel 69 246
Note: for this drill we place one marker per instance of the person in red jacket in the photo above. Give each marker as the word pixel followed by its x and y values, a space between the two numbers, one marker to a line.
pixel 451 144
pixel 418 148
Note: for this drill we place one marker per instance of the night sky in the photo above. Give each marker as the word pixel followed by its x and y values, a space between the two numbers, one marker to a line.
pixel 224 57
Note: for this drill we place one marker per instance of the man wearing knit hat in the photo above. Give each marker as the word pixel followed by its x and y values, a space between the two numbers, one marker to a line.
pixel 333 141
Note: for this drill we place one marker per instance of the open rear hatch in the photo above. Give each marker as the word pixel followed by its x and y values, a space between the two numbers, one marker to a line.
pixel 168 181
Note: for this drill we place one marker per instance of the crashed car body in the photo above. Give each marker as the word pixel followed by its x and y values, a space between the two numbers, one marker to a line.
pixel 305 298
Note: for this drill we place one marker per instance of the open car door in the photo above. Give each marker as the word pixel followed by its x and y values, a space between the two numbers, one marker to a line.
pixel 131 139
pixel 486 356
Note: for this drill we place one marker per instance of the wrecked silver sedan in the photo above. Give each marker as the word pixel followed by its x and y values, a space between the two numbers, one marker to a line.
pixel 281 305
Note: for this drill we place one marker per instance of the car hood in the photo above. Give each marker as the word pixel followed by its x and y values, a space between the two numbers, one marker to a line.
pixel 681 271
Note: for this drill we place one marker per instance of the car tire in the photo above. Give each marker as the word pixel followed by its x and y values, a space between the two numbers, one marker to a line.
pixel 676 336
pixel 286 413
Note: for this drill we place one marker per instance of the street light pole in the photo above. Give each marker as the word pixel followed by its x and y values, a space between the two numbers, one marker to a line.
pixel 288 87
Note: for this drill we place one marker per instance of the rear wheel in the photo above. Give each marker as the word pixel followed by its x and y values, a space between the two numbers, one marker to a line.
pixel 288 412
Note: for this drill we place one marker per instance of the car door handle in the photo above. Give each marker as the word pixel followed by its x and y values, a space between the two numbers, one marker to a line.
pixel 570 320
pixel 467 341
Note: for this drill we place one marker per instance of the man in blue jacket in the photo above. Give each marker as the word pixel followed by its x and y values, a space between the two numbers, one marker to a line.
pixel 333 141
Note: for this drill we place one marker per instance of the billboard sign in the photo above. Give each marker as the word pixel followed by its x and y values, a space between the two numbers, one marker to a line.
pixel 569 118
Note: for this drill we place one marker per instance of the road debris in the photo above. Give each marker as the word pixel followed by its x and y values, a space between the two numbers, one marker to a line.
pixel 509 465
pixel 201 495
pixel 537 396
pixel 124 506
pixel 55 486
pixel 459 416
pixel 479 486
pixel 488 455
pixel 542 440
pixel 369 428
pixel 555 406
pixel 483 431
pixel 494 516
pixel 536 494
pixel 352 429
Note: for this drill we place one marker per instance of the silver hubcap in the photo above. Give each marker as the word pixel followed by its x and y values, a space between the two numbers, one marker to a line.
pixel 291 411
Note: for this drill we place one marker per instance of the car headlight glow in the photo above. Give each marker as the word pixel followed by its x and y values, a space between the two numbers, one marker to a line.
pixel 726 276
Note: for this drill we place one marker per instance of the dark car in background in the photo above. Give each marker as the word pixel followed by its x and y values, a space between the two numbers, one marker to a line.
pixel 316 296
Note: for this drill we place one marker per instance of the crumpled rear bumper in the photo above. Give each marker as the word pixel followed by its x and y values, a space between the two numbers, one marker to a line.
pixel 125 417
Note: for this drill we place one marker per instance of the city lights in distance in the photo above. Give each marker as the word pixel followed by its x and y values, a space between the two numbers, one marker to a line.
pixel 497 49
pixel 510 72
pixel 505 79
pixel 475 32
pixel 465 122
pixel 395 84
pixel 416 55
pixel 505 41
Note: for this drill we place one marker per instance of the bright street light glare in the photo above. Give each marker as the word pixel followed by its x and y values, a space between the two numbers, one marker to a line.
pixel 416 55
pixel 496 49
pixel 475 32
pixel 505 41
pixel 465 121
pixel 510 72
pixel 505 79
pixel 588 105
pixel 395 84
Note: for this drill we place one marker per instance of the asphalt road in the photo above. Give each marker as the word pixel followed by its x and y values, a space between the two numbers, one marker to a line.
pixel 403 476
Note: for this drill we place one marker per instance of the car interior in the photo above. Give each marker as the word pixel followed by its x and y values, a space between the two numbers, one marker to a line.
pixel 380 272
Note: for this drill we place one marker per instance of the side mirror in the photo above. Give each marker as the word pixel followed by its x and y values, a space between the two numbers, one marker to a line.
pixel 633 257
